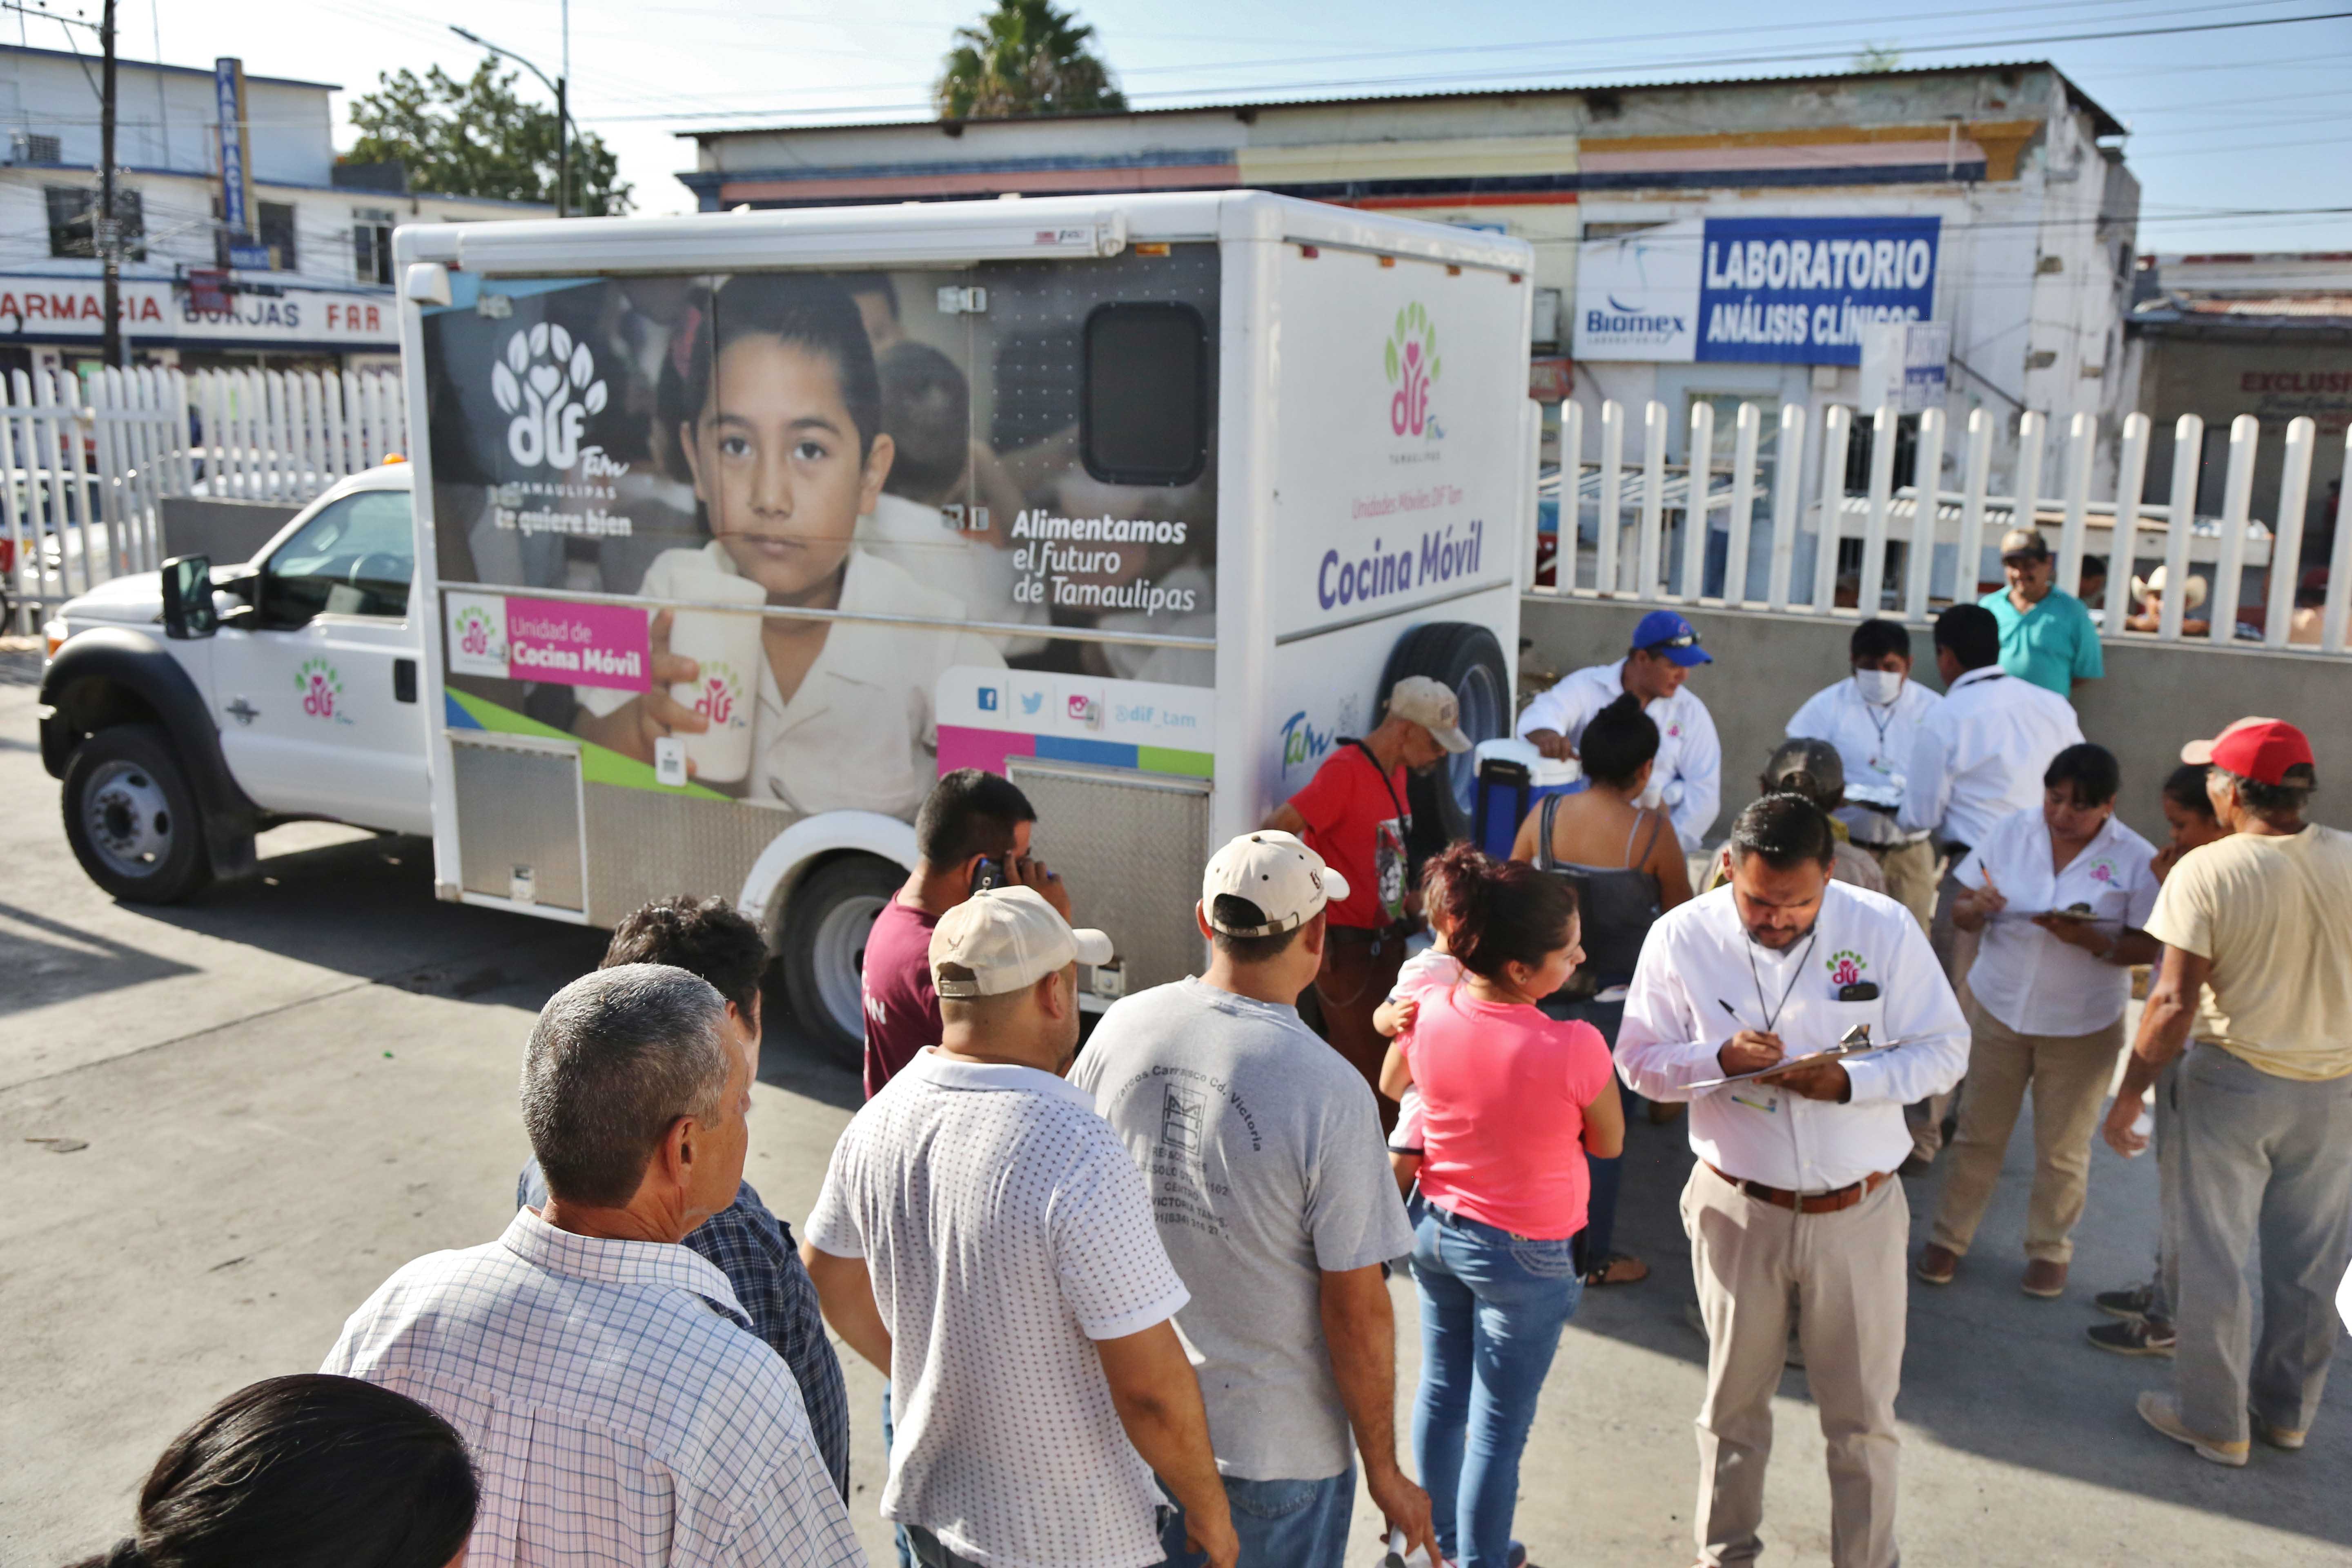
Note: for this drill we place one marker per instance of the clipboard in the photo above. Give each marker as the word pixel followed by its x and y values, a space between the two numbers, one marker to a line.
pixel 1855 1043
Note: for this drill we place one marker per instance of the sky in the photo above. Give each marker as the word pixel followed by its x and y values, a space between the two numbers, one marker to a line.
pixel 2236 134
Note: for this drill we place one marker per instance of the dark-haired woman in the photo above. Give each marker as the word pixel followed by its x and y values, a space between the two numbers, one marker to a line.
pixel 309 1471
pixel 1512 1102
pixel 2060 894
pixel 779 409
pixel 1627 869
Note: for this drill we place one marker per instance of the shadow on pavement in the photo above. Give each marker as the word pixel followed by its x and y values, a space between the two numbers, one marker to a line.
pixel 48 960
pixel 1989 1371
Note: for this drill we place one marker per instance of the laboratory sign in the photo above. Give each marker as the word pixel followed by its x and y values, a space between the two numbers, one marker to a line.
pixel 1786 291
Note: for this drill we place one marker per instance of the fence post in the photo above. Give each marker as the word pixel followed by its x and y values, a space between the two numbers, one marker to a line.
pixel 1653 488
pixel 1699 470
pixel 1743 505
pixel 2026 505
pixel 2339 565
pixel 24 554
pixel 1870 591
pixel 2237 502
pixel 1787 473
pixel 1568 516
pixel 1926 512
pixel 1612 495
pixel 1974 481
pixel 1836 431
pixel 2286 532
pixel 2187 452
pixel 2131 480
pixel 2081 445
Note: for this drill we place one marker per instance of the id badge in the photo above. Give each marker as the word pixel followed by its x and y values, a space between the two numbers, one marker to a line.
pixel 1762 1096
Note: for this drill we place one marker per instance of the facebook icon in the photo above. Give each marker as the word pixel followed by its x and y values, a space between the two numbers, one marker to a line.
pixel 988 699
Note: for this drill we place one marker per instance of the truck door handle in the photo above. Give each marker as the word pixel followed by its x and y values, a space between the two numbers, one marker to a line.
pixel 403 680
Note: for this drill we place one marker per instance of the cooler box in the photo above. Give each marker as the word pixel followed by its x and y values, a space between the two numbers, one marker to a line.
pixel 1513 777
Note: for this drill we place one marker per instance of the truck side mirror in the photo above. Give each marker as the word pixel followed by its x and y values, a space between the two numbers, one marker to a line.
pixel 188 609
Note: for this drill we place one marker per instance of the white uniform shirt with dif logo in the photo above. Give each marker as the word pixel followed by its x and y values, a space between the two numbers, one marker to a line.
pixel 1006 1231
pixel 2027 978
pixel 1702 979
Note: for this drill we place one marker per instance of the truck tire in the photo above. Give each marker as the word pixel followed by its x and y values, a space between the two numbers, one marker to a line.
pixel 825 923
pixel 131 817
pixel 1468 661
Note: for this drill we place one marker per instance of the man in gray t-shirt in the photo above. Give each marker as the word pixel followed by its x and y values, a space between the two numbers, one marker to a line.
pixel 1270 1182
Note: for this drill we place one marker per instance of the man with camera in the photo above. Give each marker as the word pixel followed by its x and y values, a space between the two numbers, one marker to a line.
pixel 971 833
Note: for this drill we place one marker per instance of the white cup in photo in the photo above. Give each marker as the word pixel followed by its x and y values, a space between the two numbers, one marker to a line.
pixel 725 646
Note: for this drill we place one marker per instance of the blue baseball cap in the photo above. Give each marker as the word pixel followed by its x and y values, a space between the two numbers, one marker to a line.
pixel 1667 634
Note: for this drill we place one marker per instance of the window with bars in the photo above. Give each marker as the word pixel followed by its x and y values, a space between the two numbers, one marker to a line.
pixel 371 243
pixel 73 222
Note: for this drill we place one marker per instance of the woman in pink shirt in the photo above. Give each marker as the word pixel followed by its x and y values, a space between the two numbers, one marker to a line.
pixel 1512 1103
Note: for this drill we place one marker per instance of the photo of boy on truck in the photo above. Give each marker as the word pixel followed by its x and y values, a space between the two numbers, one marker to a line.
pixel 776 405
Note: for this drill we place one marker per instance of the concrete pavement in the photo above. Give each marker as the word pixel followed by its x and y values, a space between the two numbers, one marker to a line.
pixel 259 1103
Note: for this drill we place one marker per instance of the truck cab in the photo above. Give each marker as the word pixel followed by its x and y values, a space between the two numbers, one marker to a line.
pixel 186 709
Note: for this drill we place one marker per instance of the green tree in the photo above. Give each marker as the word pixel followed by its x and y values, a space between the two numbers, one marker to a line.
pixel 1027 57
pixel 1874 57
pixel 476 138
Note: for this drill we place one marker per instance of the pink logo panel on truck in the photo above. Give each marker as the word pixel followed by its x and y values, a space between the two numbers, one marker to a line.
pixel 578 645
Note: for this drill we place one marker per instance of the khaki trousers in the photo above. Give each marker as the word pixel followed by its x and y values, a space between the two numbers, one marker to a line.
pixel 1956 950
pixel 1842 1274
pixel 1910 873
pixel 2068 1075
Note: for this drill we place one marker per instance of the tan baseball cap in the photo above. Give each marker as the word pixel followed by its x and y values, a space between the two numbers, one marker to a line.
pixel 1286 880
pixel 1004 940
pixel 1431 705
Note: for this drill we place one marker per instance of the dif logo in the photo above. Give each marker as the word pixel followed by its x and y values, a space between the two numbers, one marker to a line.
pixel 1411 359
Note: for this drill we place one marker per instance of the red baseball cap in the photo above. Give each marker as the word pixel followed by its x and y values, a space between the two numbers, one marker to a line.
pixel 2263 750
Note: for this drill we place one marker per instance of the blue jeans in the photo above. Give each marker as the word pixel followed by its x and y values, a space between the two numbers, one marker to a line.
pixel 1492 1306
pixel 1282 1525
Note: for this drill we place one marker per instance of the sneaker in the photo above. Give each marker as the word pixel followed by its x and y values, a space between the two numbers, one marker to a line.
pixel 2132 1303
pixel 1916 1166
pixel 2289 1438
pixel 2162 1411
pixel 2134 1336
pixel 1937 1263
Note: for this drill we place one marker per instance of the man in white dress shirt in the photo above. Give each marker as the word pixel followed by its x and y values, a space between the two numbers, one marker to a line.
pixel 983 1240
pixel 605 1379
pixel 1794 1197
pixel 1686 777
pixel 1872 716
pixel 1978 757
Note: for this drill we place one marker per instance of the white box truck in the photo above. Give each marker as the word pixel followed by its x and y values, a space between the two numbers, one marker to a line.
pixel 733 532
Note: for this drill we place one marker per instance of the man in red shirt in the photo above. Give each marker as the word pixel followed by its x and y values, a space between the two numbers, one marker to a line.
pixel 1352 813
pixel 969 817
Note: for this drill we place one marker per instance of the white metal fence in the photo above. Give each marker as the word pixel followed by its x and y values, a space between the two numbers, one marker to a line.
pixel 88 462
pixel 1770 541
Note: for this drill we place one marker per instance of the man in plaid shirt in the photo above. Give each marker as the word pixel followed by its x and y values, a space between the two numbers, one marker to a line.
pixel 751 1245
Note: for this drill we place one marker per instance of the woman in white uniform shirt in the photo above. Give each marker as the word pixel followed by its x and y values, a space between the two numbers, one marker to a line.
pixel 779 411
pixel 2060 894
pixel 1872 716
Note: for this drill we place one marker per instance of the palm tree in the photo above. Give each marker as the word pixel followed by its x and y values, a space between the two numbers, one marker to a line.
pixel 1027 57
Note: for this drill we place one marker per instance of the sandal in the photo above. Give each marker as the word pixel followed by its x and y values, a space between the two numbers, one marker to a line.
pixel 1617 1269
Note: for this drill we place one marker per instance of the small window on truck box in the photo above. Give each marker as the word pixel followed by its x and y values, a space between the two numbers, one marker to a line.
pixel 1144 415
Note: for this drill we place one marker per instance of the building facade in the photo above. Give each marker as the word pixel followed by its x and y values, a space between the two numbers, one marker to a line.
pixel 2004 184
pixel 324 300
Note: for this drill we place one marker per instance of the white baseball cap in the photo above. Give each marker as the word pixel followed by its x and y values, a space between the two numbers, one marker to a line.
pixel 1006 939
pixel 1432 705
pixel 1286 880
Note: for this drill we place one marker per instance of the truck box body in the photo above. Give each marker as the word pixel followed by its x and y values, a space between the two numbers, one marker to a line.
pixel 1131 498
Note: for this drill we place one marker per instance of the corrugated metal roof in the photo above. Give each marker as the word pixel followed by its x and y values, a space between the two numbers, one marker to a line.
pixel 2106 123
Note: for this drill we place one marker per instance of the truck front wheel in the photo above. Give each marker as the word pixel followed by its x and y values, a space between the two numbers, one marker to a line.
pixel 825 925
pixel 133 819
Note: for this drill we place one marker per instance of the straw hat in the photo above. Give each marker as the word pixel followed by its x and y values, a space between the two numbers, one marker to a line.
pixel 2154 585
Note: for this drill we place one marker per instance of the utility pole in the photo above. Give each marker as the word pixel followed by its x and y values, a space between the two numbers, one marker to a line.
pixel 563 151
pixel 106 235
pixel 556 85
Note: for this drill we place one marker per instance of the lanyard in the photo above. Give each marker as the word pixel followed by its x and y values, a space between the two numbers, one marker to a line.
pixel 1773 1011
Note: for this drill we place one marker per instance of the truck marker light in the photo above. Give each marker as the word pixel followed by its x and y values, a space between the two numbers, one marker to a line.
pixel 1308 252
pixel 1151 247
pixel 1388 261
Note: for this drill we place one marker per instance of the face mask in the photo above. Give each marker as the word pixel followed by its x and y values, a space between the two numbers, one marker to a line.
pixel 1879 687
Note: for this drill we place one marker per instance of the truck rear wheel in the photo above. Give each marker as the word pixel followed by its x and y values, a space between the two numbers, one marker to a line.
pixel 1468 661
pixel 825 925
pixel 132 817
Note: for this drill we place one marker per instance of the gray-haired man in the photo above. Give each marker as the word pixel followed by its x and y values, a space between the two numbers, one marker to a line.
pixel 605 1378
